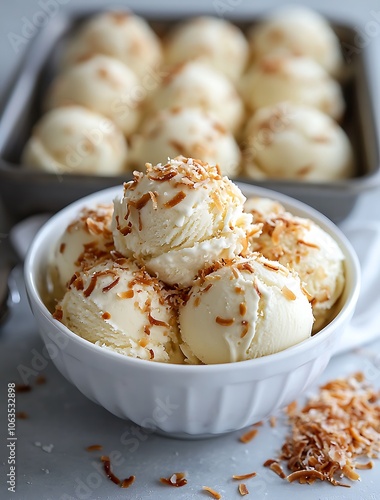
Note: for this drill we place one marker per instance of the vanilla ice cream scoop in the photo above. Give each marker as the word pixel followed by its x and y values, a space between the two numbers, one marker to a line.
pixel 185 131
pixel 75 140
pixel 214 40
pixel 179 217
pixel 298 79
pixel 290 141
pixel 305 247
pixel 244 309
pixel 298 30
pixel 86 240
pixel 118 306
pixel 196 84
pixel 121 35
pixel 102 84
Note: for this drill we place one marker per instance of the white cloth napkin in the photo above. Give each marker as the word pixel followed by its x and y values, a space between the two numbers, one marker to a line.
pixel 365 324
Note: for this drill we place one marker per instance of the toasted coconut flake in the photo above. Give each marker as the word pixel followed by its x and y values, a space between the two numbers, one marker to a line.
pixel 245 325
pixel 308 244
pixel 94 447
pixel 126 483
pixel 334 429
pixel 305 474
pixel 107 469
pixel 291 408
pixel 368 465
pixel 288 293
pixel 272 421
pixel 22 415
pixel 177 480
pixel 248 436
pixel 242 308
pixel 243 490
pixel 241 477
pixel 126 295
pixel 212 492
pixel 224 321
pixel 277 469
pixel 153 196
pixel 175 200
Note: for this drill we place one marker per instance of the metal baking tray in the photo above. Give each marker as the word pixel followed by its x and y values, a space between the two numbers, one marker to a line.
pixel 25 192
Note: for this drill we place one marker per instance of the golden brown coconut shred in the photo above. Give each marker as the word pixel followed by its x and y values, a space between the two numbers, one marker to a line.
pixel 335 433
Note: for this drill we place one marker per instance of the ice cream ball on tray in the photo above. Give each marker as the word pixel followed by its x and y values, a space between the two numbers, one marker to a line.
pixel 188 131
pixel 298 79
pixel 102 84
pixel 295 142
pixel 75 140
pixel 119 34
pixel 297 30
pixel 197 84
pixel 302 245
pixel 214 40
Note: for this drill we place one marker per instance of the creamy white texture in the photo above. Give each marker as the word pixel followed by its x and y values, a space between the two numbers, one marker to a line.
pixel 214 40
pixel 298 79
pixel 298 30
pixel 102 84
pixel 290 141
pixel 75 140
pixel 196 84
pixel 305 247
pixel 85 240
pixel 116 305
pixel 249 308
pixel 121 35
pixel 179 217
pixel 189 132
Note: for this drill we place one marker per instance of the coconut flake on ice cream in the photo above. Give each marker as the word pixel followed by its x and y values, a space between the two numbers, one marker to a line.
pixel 244 309
pixel 305 247
pixel 179 217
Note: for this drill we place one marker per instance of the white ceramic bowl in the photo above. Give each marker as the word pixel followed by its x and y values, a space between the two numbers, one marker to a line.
pixel 182 400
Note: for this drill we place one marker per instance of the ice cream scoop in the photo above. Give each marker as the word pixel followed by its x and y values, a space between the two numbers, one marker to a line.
pixel 297 30
pixel 290 141
pixel 86 240
pixel 178 217
pixel 121 35
pixel 118 306
pixel 214 40
pixel 301 80
pixel 244 309
pixel 102 84
pixel 185 131
pixel 197 84
pixel 75 140
pixel 302 245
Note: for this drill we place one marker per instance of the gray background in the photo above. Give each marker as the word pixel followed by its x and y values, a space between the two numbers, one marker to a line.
pixel 62 417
